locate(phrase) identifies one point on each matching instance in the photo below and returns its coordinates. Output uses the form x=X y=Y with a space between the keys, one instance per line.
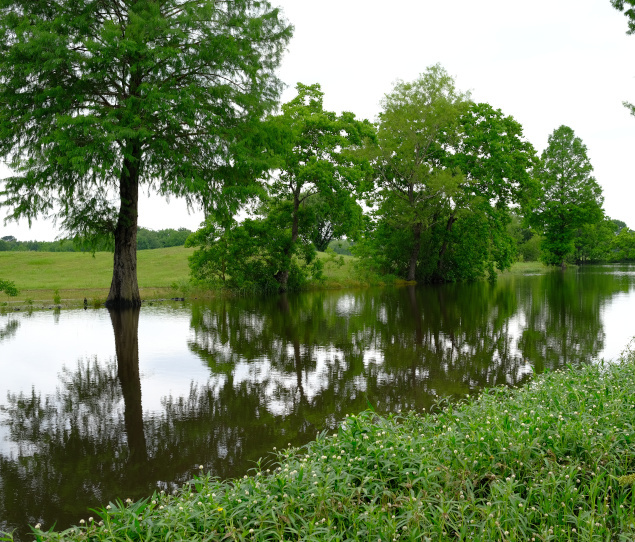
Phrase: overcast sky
x=545 y=62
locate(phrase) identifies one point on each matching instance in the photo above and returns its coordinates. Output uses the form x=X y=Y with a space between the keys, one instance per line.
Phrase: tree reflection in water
x=9 y=329
x=282 y=368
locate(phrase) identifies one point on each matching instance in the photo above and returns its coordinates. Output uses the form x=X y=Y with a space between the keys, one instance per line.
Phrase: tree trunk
x=283 y=279
x=444 y=246
x=124 y=289
x=283 y=276
x=414 y=255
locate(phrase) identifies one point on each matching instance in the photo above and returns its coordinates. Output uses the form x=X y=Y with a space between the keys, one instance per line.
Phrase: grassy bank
x=525 y=268
x=554 y=460
x=80 y=275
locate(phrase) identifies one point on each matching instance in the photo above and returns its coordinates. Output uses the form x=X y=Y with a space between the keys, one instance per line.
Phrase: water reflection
x=125 y=325
x=562 y=315
x=276 y=371
x=9 y=329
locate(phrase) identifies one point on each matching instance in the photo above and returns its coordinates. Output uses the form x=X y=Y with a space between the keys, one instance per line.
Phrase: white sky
x=545 y=62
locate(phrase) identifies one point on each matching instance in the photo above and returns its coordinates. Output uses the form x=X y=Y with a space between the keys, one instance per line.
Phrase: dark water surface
x=96 y=406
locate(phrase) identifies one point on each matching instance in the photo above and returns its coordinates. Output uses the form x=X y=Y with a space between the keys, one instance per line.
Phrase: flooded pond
x=96 y=406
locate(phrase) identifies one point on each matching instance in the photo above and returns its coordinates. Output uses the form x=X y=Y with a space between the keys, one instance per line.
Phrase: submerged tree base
x=554 y=460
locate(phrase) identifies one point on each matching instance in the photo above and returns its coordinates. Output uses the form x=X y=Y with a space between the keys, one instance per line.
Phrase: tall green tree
x=443 y=159
x=415 y=130
x=316 y=158
x=570 y=196
x=495 y=161
x=99 y=99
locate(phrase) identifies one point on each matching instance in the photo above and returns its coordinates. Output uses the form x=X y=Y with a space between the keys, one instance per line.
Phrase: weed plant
x=552 y=461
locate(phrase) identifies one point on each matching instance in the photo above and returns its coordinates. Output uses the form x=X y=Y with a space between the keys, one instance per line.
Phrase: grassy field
x=80 y=275
x=552 y=461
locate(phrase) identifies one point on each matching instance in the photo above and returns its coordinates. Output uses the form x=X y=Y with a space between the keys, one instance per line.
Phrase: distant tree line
x=146 y=239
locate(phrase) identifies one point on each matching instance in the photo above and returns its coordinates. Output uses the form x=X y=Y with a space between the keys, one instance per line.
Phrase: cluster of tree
x=440 y=189
x=100 y=98
x=607 y=240
x=146 y=239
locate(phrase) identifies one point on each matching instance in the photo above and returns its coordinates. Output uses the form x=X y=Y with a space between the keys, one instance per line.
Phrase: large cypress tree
x=99 y=98
x=570 y=195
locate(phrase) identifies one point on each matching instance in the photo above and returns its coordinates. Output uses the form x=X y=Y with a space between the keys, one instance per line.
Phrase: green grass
x=339 y=271
x=80 y=275
x=521 y=268
x=554 y=461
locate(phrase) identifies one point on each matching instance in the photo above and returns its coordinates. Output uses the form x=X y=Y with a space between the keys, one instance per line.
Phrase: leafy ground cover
x=554 y=460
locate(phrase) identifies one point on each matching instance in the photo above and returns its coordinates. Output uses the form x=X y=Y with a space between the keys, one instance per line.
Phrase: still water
x=96 y=406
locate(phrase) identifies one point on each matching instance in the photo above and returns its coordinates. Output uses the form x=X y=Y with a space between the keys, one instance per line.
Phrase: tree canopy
x=417 y=126
x=628 y=7
x=313 y=163
x=570 y=196
x=100 y=99
x=447 y=172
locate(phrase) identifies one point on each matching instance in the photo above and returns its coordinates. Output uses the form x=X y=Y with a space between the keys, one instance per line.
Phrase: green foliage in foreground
x=551 y=461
